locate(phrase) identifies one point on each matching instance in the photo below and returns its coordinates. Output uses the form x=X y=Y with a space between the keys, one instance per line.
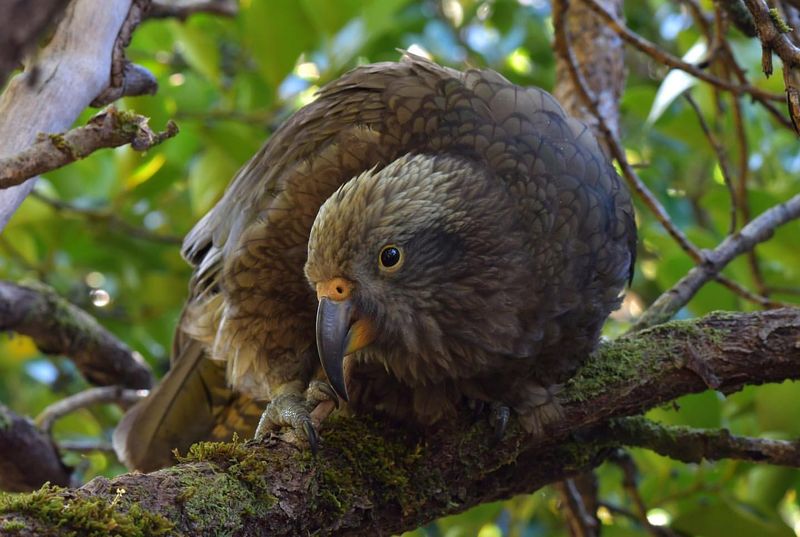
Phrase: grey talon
x=312 y=435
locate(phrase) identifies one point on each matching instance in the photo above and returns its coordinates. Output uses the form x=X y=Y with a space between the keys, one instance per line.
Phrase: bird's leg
x=300 y=412
x=498 y=418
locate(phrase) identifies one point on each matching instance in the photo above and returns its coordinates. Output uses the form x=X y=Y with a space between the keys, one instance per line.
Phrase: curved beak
x=339 y=332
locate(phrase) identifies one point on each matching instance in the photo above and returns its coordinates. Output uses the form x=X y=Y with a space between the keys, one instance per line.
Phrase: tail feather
x=192 y=403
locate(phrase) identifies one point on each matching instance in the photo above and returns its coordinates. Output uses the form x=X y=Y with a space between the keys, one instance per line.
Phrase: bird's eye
x=391 y=257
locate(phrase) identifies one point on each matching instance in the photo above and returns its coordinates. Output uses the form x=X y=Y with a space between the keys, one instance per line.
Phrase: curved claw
x=312 y=435
x=499 y=418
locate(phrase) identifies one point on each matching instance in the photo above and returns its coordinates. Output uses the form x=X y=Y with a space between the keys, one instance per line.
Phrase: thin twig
x=581 y=523
x=722 y=158
x=785 y=290
x=659 y=531
x=89 y=397
x=110 y=128
x=741 y=193
x=182 y=9
x=630 y=479
x=740 y=290
x=688 y=444
x=658 y=54
x=109 y=219
x=86 y=446
x=758 y=230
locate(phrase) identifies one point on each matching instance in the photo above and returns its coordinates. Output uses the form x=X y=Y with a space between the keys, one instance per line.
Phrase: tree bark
x=372 y=478
x=28 y=457
x=58 y=327
x=600 y=55
x=67 y=75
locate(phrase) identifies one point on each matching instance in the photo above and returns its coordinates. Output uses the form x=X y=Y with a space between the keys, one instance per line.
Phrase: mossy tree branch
x=58 y=327
x=688 y=444
x=370 y=476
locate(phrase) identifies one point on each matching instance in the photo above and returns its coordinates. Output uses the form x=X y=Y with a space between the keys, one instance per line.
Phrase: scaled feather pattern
x=511 y=237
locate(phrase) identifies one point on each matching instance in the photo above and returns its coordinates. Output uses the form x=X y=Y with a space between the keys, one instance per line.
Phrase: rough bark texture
x=373 y=478
x=600 y=56
x=58 y=327
x=110 y=128
x=28 y=456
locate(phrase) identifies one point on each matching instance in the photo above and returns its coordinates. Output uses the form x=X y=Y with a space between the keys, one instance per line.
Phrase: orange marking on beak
x=361 y=334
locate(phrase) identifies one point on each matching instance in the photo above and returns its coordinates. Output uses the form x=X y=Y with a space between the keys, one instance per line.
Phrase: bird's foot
x=541 y=408
x=498 y=419
x=499 y=413
x=301 y=413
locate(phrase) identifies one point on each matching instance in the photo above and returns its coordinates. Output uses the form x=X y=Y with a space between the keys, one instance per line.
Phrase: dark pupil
x=390 y=257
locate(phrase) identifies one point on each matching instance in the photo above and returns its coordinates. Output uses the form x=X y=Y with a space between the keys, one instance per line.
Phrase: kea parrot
x=415 y=240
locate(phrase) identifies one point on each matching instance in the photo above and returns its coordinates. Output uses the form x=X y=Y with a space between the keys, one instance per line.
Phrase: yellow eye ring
x=391 y=258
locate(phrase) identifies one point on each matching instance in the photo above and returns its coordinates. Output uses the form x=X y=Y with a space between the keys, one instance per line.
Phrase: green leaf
x=727 y=518
x=209 y=175
x=277 y=33
x=778 y=406
x=199 y=49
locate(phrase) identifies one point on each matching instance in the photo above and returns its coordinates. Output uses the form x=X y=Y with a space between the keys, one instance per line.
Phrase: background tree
x=707 y=142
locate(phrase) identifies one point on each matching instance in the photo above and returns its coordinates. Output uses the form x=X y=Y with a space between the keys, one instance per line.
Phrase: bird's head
x=422 y=260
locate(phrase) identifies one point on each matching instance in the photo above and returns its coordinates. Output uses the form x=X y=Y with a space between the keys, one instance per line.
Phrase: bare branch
x=28 y=458
x=757 y=230
x=658 y=54
x=126 y=78
x=58 y=327
x=693 y=445
x=93 y=396
x=375 y=476
x=630 y=482
x=722 y=158
x=110 y=128
x=66 y=75
x=581 y=523
x=86 y=446
x=773 y=33
x=183 y=9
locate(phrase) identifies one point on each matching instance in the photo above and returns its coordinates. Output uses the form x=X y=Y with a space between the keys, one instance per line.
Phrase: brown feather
x=251 y=304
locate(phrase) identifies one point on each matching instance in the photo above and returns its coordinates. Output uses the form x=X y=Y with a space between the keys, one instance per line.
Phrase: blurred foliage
x=230 y=82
